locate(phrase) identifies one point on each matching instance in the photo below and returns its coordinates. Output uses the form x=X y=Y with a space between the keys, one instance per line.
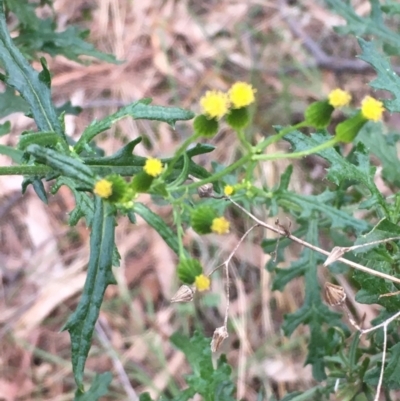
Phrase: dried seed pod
x=334 y=294
x=219 y=336
x=206 y=190
x=336 y=253
x=184 y=294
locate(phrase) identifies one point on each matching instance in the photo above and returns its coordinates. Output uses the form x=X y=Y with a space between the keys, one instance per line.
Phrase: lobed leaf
x=81 y=323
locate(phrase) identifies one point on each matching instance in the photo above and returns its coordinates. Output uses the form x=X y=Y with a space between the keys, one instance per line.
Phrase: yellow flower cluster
x=202 y=283
x=103 y=188
x=372 y=109
x=220 y=225
x=153 y=167
x=339 y=98
x=215 y=104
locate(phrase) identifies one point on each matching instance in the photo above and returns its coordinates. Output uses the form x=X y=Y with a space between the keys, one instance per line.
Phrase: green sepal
x=318 y=114
x=141 y=182
x=188 y=270
x=203 y=126
x=238 y=118
x=119 y=188
x=202 y=218
x=347 y=130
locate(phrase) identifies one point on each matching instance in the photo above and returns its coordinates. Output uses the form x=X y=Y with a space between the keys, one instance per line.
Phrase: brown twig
x=315 y=248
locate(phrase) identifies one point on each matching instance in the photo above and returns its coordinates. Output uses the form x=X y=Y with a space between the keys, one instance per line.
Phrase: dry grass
x=173 y=51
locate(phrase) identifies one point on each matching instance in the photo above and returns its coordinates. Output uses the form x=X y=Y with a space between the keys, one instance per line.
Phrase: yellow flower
x=202 y=283
x=372 y=109
x=241 y=94
x=220 y=225
x=103 y=188
x=215 y=104
x=153 y=167
x=339 y=98
x=228 y=190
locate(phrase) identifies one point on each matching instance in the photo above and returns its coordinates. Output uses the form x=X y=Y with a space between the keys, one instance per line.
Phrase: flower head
x=103 y=188
x=202 y=282
x=153 y=167
x=220 y=225
x=241 y=95
x=339 y=98
x=215 y=104
x=228 y=190
x=372 y=109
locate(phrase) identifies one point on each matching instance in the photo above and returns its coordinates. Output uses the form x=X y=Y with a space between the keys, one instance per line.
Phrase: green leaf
x=139 y=111
x=69 y=43
x=391 y=8
x=313 y=312
x=392 y=370
x=212 y=384
x=15 y=154
x=10 y=103
x=84 y=203
x=378 y=144
x=98 y=389
x=307 y=205
x=387 y=79
x=155 y=221
x=5 y=128
x=341 y=169
x=81 y=323
x=69 y=166
x=372 y=24
x=22 y=77
x=48 y=139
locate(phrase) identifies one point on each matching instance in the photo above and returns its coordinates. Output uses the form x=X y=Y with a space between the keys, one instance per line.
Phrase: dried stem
x=315 y=248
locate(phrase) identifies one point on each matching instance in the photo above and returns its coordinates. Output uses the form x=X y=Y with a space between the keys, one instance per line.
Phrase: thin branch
x=315 y=248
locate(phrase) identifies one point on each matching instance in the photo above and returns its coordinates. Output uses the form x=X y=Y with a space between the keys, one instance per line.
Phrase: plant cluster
x=107 y=187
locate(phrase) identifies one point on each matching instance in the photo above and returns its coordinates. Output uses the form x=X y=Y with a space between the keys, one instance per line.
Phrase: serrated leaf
x=10 y=103
x=42 y=35
x=212 y=384
x=158 y=224
x=387 y=79
x=378 y=144
x=22 y=77
x=81 y=323
x=392 y=370
x=365 y=25
x=98 y=389
x=84 y=206
x=313 y=312
x=137 y=110
x=341 y=169
x=307 y=205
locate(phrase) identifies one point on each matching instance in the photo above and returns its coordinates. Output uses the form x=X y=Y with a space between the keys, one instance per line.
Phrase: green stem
x=25 y=170
x=242 y=139
x=218 y=175
x=275 y=138
x=179 y=153
x=178 y=225
x=296 y=155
